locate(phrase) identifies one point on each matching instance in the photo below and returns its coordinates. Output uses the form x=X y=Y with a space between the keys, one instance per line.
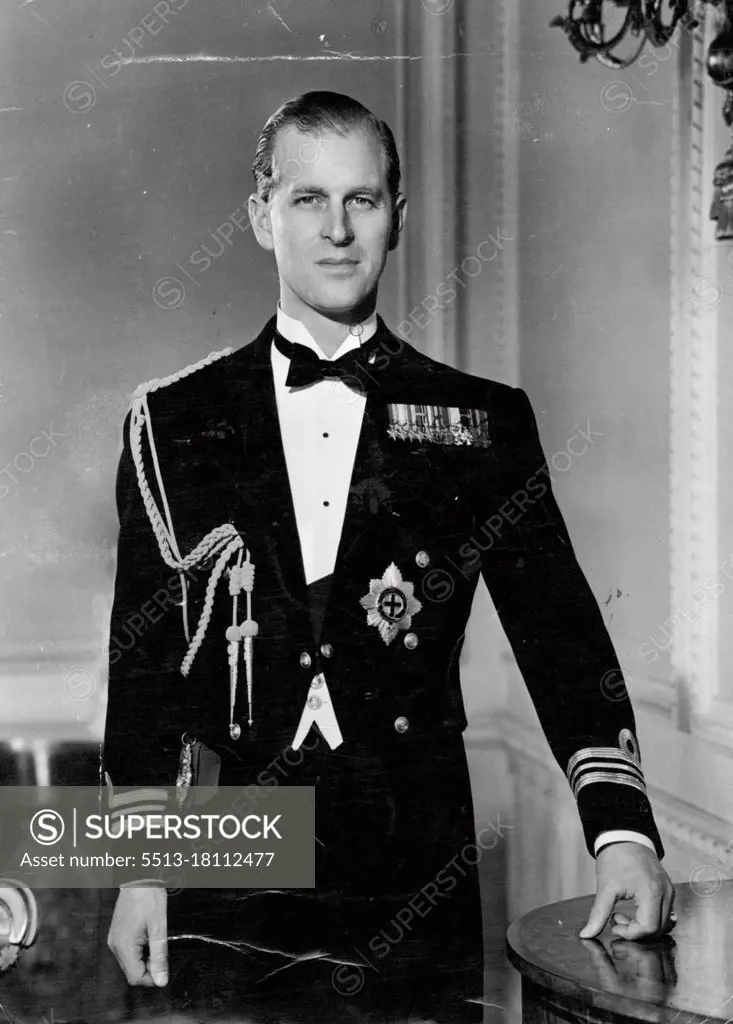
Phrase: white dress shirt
x=320 y=426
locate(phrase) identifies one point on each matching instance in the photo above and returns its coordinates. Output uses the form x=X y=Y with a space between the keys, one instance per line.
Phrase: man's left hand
x=631 y=871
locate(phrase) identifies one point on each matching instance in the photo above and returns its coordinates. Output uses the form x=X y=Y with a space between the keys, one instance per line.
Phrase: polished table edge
x=572 y=1000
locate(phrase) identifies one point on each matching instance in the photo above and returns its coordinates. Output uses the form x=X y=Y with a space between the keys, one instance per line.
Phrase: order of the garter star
x=390 y=603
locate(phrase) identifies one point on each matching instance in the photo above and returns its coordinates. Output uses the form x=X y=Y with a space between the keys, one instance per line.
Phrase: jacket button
x=326 y=650
x=411 y=641
x=314 y=702
x=305 y=660
x=423 y=559
x=401 y=724
x=317 y=682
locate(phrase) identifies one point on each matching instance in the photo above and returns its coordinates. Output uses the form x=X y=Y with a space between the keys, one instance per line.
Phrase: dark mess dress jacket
x=449 y=483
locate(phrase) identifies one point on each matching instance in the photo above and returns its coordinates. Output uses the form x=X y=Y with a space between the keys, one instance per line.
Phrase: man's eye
x=306 y=200
x=363 y=200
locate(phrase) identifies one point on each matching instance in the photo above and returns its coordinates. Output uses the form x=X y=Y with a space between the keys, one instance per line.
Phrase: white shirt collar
x=293 y=330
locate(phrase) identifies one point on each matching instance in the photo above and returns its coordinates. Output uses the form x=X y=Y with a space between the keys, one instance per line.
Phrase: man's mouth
x=338 y=262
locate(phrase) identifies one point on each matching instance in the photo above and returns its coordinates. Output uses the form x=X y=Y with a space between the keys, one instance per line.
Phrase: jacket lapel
x=255 y=464
x=369 y=518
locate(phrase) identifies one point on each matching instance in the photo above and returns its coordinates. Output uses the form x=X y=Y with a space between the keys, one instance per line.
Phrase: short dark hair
x=317 y=111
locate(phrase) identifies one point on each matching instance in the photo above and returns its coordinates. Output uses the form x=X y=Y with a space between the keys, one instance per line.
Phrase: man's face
x=330 y=220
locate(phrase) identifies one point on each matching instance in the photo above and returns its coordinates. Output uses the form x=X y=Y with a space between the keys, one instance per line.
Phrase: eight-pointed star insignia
x=390 y=603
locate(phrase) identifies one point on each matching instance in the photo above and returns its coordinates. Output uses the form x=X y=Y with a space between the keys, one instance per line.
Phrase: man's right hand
x=140 y=918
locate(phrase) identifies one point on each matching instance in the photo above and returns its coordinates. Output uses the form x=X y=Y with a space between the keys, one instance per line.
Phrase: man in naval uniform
x=354 y=474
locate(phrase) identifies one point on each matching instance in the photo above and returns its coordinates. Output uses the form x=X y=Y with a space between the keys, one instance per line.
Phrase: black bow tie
x=307 y=368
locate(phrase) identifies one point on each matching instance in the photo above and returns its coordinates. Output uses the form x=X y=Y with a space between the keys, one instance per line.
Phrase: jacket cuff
x=138 y=800
x=616 y=807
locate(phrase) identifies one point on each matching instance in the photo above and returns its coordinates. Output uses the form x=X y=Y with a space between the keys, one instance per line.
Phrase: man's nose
x=338 y=225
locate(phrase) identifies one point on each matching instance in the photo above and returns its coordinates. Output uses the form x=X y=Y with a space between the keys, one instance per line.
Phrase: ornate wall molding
x=693 y=369
x=709 y=846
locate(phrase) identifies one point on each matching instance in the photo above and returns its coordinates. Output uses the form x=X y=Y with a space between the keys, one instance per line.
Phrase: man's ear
x=398 y=221
x=259 y=218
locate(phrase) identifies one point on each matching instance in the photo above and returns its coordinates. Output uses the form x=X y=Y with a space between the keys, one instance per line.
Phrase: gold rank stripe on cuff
x=619 y=777
x=604 y=764
x=136 y=809
x=153 y=794
x=151 y=800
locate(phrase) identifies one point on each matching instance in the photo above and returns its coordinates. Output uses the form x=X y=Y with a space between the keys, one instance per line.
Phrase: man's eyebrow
x=367 y=190
x=311 y=190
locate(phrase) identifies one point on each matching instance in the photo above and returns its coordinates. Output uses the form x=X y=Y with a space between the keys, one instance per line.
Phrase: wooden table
x=685 y=978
